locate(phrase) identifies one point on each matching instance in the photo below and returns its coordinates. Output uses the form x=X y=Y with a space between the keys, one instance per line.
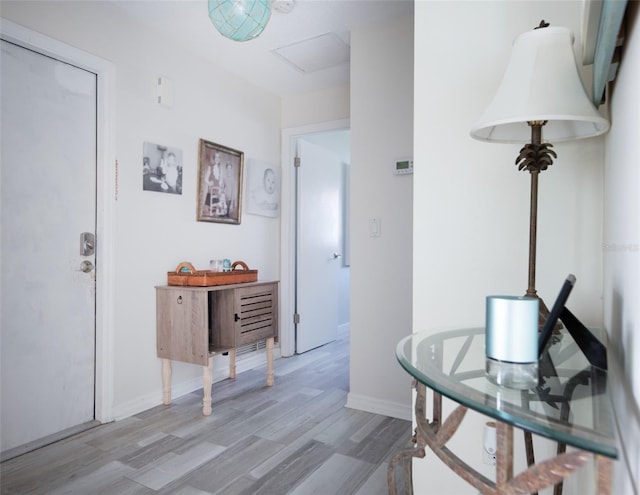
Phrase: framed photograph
x=263 y=186
x=219 y=183
x=161 y=168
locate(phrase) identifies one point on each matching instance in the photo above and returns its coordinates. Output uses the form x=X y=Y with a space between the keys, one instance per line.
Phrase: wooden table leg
x=232 y=363
x=270 y=362
x=206 y=386
x=166 y=381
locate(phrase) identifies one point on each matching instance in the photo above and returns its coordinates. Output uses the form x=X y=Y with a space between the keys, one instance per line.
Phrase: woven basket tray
x=205 y=278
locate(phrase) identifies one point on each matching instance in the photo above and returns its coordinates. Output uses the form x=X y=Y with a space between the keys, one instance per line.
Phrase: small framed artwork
x=161 y=168
x=219 y=183
x=263 y=184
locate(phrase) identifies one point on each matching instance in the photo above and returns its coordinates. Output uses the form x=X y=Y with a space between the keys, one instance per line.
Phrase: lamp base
x=520 y=376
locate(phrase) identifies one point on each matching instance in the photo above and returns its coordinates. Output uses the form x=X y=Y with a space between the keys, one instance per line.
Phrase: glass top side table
x=570 y=405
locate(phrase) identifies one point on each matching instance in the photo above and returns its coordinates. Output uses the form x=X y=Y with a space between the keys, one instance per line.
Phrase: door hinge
x=116 y=185
x=296 y=319
x=296 y=162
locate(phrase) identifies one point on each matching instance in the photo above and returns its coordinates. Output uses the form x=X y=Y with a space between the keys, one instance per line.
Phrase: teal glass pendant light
x=240 y=20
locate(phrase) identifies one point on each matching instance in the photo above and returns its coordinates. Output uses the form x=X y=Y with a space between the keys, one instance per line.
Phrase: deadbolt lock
x=87 y=244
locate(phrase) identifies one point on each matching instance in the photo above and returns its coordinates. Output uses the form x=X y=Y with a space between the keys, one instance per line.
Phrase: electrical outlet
x=489 y=443
x=488 y=458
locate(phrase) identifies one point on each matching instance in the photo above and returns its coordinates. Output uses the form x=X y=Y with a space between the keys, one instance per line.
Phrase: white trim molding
x=378 y=406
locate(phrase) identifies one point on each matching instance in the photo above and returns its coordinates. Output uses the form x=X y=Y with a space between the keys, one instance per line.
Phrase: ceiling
x=187 y=23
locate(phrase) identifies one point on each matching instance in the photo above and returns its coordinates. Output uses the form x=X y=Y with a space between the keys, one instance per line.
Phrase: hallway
x=293 y=438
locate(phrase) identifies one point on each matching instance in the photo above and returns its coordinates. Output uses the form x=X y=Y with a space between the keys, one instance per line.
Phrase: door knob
x=336 y=256
x=86 y=266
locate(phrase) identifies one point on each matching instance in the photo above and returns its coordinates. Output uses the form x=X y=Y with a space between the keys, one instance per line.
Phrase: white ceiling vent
x=314 y=54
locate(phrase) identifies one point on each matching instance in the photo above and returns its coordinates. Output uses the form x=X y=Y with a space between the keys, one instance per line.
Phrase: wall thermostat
x=403 y=166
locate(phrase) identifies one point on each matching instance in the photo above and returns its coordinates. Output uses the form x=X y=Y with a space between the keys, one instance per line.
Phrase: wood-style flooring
x=296 y=437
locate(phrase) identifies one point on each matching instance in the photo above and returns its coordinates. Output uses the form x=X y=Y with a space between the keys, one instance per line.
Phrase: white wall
x=622 y=251
x=471 y=204
x=317 y=107
x=381 y=267
x=153 y=231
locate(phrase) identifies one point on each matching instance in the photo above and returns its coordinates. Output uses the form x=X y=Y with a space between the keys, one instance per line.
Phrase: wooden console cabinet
x=195 y=323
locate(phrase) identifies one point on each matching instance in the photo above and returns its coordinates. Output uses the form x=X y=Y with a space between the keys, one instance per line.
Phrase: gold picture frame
x=219 y=183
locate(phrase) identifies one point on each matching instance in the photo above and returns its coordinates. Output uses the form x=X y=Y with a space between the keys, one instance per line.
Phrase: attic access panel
x=314 y=54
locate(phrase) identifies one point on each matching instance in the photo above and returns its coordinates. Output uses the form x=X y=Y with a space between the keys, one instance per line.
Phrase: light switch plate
x=375 y=227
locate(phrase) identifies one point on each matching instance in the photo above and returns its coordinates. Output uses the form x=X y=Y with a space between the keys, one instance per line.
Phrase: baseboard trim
x=42 y=442
x=379 y=406
x=344 y=329
x=148 y=401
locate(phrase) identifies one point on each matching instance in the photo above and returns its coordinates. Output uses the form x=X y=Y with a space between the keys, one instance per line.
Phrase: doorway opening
x=322 y=268
x=334 y=139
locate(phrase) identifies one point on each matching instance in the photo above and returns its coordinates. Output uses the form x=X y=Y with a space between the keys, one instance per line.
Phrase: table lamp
x=542 y=99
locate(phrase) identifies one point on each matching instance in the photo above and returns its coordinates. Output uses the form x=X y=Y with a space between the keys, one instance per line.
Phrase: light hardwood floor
x=296 y=437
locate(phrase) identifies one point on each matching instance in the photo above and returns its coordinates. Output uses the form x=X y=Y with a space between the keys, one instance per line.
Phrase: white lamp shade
x=541 y=83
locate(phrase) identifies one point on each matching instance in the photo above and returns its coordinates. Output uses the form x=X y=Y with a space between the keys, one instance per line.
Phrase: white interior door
x=318 y=246
x=48 y=198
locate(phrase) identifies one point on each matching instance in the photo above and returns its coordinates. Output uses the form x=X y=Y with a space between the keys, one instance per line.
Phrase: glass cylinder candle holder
x=511 y=341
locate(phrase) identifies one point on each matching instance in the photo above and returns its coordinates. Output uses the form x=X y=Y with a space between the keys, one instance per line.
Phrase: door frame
x=106 y=195
x=288 y=226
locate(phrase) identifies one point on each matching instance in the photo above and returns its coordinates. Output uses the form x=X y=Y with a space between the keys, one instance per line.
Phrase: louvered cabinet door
x=244 y=315
x=256 y=310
